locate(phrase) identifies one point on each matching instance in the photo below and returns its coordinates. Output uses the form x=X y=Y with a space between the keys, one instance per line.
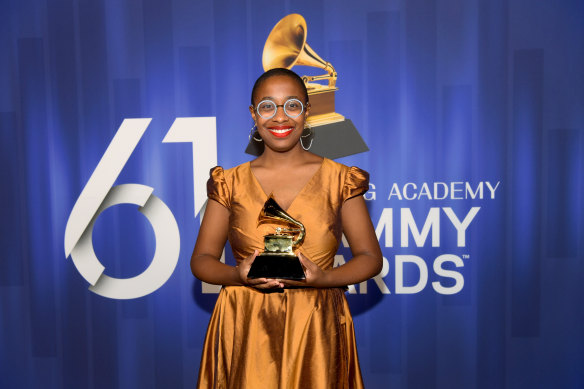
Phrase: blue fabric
x=442 y=92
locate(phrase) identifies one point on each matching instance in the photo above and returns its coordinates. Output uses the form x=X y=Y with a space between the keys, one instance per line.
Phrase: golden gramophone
x=278 y=259
x=333 y=134
x=285 y=47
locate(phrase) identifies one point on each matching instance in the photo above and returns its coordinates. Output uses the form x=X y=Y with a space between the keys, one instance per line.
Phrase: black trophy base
x=276 y=266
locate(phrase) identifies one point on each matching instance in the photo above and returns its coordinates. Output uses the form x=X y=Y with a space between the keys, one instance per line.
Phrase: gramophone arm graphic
x=334 y=136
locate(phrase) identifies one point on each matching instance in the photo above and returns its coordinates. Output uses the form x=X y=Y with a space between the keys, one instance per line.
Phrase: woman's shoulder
x=222 y=183
x=352 y=181
x=229 y=172
x=342 y=169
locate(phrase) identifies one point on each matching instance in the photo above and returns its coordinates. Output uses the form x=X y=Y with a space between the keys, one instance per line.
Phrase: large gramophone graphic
x=333 y=135
x=278 y=259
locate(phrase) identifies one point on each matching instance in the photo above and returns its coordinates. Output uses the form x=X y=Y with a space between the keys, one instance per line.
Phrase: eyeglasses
x=292 y=108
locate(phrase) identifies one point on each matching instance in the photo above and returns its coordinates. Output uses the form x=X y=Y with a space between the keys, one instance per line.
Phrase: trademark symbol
x=465 y=256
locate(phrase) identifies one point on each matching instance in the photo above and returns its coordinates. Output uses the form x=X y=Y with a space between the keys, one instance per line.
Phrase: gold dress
x=285 y=338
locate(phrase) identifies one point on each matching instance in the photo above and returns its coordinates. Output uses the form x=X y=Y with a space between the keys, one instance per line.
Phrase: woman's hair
x=279 y=72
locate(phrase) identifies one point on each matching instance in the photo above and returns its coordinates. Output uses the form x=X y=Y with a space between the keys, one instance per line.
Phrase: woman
x=276 y=333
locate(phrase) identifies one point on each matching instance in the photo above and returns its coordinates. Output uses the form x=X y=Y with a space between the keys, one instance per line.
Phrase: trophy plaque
x=278 y=259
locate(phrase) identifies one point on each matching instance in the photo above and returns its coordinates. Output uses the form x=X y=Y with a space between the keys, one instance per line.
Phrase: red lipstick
x=281 y=131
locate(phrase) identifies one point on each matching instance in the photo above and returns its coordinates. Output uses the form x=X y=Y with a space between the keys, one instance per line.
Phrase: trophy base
x=274 y=265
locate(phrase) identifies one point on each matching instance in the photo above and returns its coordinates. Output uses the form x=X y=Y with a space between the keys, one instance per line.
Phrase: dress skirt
x=287 y=338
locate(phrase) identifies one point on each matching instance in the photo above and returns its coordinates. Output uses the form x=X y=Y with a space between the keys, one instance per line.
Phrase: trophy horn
x=273 y=212
x=286 y=46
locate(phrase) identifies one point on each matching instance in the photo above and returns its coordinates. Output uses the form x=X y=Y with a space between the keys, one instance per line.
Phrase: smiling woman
x=280 y=333
x=279 y=109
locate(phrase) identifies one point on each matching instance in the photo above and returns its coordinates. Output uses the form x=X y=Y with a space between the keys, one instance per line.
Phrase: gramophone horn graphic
x=334 y=136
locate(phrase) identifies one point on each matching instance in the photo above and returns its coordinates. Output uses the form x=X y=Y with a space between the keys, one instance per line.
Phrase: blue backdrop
x=448 y=91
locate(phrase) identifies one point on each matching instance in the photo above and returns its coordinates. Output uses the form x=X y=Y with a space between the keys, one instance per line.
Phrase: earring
x=252 y=133
x=309 y=135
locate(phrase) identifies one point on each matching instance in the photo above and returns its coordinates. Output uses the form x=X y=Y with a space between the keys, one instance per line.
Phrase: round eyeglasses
x=292 y=108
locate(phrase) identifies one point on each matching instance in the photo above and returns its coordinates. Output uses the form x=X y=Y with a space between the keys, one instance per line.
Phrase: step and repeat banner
x=468 y=115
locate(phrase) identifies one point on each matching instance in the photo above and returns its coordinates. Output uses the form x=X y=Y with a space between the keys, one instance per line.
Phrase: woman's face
x=280 y=132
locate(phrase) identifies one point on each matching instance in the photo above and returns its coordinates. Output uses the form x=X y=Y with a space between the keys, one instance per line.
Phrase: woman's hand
x=259 y=283
x=315 y=276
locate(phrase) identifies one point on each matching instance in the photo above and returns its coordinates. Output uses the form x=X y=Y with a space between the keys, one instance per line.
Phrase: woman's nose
x=280 y=114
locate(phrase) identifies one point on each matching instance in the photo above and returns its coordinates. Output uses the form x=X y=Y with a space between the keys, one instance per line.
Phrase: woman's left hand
x=315 y=276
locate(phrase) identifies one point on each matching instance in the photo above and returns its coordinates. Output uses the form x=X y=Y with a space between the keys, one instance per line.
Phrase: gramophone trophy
x=334 y=135
x=285 y=47
x=278 y=259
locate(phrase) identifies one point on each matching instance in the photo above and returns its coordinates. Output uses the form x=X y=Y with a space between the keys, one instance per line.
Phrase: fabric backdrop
x=473 y=112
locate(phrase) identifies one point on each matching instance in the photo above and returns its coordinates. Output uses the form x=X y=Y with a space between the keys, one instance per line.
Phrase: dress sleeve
x=217 y=187
x=356 y=183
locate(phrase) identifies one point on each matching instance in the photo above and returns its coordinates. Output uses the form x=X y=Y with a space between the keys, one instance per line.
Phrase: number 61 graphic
x=100 y=194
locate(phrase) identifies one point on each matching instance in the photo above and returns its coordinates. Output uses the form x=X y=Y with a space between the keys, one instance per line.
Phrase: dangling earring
x=309 y=135
x=252 y=133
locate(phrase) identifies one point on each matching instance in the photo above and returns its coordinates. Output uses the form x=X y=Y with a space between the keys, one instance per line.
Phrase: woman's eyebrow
x=273 y=98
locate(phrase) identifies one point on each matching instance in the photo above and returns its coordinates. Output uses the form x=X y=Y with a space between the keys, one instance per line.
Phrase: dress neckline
x=261 y=189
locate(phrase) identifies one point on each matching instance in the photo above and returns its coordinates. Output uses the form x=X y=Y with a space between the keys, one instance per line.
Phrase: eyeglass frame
x=280 y=105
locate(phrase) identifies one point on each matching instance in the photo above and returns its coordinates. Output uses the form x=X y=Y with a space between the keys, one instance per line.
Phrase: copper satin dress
x=288 y=338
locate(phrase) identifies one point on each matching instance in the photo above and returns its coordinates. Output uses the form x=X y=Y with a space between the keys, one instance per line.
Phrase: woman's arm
x=367 y=258
x=205 y=263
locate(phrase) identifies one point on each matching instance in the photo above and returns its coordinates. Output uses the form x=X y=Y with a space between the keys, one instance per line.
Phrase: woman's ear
x=252 y=112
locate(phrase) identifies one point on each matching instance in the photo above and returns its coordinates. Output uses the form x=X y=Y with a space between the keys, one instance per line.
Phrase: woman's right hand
x=259 y=283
